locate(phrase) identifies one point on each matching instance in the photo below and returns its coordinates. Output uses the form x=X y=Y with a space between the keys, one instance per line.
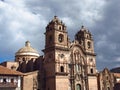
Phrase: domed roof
x=27 y=50
x=56 y=20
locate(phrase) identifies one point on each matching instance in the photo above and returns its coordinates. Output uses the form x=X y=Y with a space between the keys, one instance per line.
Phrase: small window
x=23 y=59
x=62 y=69
x=32 y=59
x=70 y=66
x=60 y=27
x=77 y=68
x=78 y=87
x=60 y=38
x=13 y=67
x=62 y=55
x=91 y=60
x=4 y=80
x=87 y=36
x=89 y=45
x=108 y=88
x=107 y=77
x=91 y=70
x=12 y=80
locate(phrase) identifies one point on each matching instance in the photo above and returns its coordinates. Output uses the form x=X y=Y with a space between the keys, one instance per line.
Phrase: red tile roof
x=6 y=71
x=117 y=75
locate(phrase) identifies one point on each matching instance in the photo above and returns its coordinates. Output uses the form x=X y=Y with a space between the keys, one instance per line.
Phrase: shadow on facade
x=117 y=86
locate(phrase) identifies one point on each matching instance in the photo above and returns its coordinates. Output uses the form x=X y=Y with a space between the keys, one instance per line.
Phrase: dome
x=56 y=20
x=27 y=50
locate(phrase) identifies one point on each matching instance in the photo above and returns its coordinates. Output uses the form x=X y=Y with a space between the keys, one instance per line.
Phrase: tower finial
x=55 y=16
x=82 y=26
x=27 y=44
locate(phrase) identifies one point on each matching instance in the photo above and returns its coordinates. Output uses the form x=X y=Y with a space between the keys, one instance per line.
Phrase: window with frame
x=89 y=44
x=108 y=88
x=78 y=87
x=91 y=70
x=60 y=38
x=12 y=80
x=60 y=28
x=61 y=69
x=4 y=80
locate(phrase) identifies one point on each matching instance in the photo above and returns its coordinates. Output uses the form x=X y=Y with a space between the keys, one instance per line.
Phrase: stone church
x=69 y=65
x=65 y=65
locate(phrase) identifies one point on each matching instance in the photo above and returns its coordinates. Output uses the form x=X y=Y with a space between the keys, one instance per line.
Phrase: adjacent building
x=10 y=79
x=31 y=81
x=106 y=80
x=116 y=72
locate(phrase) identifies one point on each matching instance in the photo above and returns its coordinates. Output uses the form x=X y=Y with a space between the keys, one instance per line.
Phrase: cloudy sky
x=22 y=20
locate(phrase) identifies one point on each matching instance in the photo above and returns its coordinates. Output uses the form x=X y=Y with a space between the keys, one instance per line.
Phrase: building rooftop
x=117 y=75
x=6 y=71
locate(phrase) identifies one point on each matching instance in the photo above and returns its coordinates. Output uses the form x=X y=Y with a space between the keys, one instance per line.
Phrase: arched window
x=18 y=58
x=108 y=88
x=13 y=67
x=78 y=87
x=87 y=36
x=91 y=70
x=77 y=68
x=4 y=80
x=89 y=44
x=60 y=38
x=60 y=28
x=91 y=60
x=23 y=59
x=62 y=69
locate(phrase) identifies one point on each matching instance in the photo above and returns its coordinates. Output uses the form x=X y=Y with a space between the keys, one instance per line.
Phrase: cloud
x=107 y=31
x=17 y=24
x=84 y=12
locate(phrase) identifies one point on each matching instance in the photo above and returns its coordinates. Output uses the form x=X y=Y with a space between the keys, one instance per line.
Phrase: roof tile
x=6 y=71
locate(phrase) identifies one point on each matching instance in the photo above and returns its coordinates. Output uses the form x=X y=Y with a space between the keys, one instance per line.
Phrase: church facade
x=65 y=65
x=69 y=65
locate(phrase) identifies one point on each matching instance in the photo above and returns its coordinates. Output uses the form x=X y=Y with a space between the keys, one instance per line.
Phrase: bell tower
x=56 y=55
x=85 y=39
x=56 y=35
